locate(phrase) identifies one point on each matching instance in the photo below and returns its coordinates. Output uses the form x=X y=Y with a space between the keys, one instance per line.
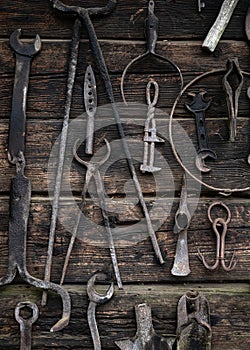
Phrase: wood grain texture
x=181 y=32
x=116 y=319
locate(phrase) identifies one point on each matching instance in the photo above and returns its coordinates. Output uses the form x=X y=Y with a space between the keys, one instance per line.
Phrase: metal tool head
x=182 y=215
x=90 y=94
x=96 y=297
x=24 y=49
x=201 y=157
x=198 y=103
x=60 y=6
x=26 y=304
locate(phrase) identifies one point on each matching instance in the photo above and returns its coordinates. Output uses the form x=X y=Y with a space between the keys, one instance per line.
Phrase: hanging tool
x=84 y=14
x=193 y=322
x=182 y=222
x=145 y=338
x=25 y=324
x=198 y=107
x=232 y=89
x=219 y=226
x=94 y=300
x=151 y=32
x=90 y=101
x=220 y=24
x=94 y=172
x=150 y=137
x=201 y=5
x=64 y=133
x=24 y=53
x=20 y=194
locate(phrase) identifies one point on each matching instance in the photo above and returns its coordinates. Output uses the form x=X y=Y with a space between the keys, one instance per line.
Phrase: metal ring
x=222 y=205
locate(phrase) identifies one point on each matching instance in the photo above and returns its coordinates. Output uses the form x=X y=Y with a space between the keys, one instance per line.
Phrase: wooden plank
x=134 y=250
x=229 y=305
x=41 y=136
x=125 y=22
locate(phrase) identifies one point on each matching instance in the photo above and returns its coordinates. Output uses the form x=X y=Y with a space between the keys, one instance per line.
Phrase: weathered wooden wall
x=181 y=31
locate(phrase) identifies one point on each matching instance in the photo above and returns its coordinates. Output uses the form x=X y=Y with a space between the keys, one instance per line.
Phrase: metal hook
x=220 y=241
x=151 y=33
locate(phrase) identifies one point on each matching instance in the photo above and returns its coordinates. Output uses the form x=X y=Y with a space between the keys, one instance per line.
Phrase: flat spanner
x=198 y=107
x=25 y=324
x=24 y=53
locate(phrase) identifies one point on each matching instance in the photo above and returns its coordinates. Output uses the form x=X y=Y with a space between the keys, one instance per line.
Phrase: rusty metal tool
x=219 y=226
x=90 y=101
x=95 y=299
x=193 y=322
x=201 y=5
x=146 y=337
x=220 y=24
x=232 y=83
x=25 y=324
x=150 y=137
x=24 y=53
x=20 y=194
x=182 y=222
x=198 y=107
x=84 y=14
x=151 y=33
x=94 y=172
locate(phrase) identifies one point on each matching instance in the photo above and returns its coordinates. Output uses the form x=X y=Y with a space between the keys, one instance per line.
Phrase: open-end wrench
x=94 y=300
x=25 y=324
x=198 y=107
x=24 y=53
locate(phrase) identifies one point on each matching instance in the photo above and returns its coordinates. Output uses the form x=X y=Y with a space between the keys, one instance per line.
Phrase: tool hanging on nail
x=151 y=31
x=25 y=324
x=220 y=24
x=150 y=137
x=146 y=337
x=83 y=15
x=219 y=226
x=232 y=84
x=182 y=222
x=94 y=300
x=198 y=107
x=90 y=102
x=20 y=190
x=193 y=322
x=94 y=172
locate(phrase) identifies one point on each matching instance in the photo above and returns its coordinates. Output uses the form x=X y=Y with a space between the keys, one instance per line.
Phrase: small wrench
x=24 y=53
x=198 y=107
x=96 y=299
x=25 y=324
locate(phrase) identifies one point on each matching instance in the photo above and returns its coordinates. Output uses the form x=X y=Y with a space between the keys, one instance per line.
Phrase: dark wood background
x=181 y=32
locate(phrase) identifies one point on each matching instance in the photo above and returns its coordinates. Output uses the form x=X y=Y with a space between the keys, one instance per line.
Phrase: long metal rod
x=62 y=149
x=109 y=90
